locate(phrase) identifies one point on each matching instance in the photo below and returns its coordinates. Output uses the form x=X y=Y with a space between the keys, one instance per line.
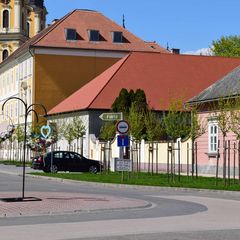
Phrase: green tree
x=136 y=122
x=108 y=131
x=227 y=46
x=137 y=130
x=123 y=102
x=177 y=122
x=154 y=131
x=19 y=137
x=79 y=130
x=140 y=100
x=68 y=132
x=154 y=127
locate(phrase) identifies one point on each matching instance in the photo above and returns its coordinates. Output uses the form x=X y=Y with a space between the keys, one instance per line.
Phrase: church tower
x=19 y=21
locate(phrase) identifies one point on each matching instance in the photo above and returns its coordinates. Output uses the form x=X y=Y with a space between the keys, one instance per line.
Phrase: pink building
x=210 y=145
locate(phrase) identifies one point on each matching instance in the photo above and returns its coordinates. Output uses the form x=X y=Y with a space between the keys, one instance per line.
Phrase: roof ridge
x=185 y=55
x=53 y=26
x=110 y=77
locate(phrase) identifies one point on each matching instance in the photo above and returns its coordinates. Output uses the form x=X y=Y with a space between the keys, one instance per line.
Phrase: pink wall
x=207 y=164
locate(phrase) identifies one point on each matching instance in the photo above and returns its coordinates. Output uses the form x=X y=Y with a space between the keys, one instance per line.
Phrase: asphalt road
x=172 y=214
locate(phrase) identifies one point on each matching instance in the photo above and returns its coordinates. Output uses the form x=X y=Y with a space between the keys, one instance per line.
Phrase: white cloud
x=202 y=51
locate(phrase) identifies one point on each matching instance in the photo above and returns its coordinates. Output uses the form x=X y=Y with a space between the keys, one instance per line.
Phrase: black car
x=65 y=161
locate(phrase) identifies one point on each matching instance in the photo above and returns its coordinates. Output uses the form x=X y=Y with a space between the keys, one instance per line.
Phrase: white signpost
x=123 y=165
x=111 y=116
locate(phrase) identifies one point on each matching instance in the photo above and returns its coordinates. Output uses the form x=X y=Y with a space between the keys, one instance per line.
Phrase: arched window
x=4 y=54
x=6 y=19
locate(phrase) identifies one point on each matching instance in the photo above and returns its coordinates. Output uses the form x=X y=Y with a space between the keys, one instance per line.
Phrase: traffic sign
x=123 y=165
x=111 y=116
x=122 y=140
x=122 y=127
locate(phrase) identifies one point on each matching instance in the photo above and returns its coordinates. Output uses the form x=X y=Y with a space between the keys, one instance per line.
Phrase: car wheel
x=54 y=168
x=93 y=169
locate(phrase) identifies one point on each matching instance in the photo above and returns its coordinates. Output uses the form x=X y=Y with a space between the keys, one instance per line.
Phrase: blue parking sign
x=123 y=140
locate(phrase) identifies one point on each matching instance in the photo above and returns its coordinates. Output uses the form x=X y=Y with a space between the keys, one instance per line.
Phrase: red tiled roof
x=163 y=77
x=82 y=21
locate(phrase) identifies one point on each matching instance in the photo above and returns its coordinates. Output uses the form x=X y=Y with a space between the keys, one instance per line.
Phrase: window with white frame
x=212 y=136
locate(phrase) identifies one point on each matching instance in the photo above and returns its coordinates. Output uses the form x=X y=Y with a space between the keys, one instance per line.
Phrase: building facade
x=20 y=20
x=62 y=58
x=218 y=113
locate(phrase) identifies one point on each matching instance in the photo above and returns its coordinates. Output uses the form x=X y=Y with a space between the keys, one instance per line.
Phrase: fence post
x=168 y=148
x=224 y=161
x=239 y=162
x=179 y=161
x=157 y=157
x=234 y=162
x=188 y=160
x=192 y=158
x=229 y=148
x=196 y=159
x=152 y=156
x=216 y=181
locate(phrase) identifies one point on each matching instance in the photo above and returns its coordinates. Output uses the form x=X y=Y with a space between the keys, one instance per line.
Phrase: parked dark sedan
x=65 y=161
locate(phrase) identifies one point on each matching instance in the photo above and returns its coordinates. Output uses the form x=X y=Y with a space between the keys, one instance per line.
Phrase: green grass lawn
x=148 y=180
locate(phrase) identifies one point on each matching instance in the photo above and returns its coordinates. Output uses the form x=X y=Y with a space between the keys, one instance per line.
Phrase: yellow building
x=20 y=20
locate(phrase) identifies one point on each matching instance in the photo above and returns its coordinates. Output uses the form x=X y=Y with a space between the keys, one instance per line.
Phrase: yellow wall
x=57 y=77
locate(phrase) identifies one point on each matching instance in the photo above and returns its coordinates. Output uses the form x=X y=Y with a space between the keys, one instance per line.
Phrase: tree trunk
x=193 y=156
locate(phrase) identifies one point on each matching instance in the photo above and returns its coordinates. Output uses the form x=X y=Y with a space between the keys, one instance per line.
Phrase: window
x=16 y=109
x=117 y=37
x=5 y=1
x=28 y=29
x=5 y=54
x=71 y=34
x=21 y=70
x=94 y=35
x=5 y=19
x=212 y=136
x=58 y=155
x=25 y=69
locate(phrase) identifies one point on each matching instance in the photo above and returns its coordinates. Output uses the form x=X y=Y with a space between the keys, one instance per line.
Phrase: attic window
x=94 y=35
x=71 y=34
x=117 y=37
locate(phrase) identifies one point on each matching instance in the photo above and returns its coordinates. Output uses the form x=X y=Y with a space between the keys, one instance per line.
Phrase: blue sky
x=186 y=24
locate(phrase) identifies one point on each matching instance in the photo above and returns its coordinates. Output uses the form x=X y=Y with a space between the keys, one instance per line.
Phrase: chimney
x=54 y=21
x=175 y=50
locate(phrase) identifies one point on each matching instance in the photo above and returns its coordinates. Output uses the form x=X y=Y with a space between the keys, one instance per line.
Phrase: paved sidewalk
x=63 y=203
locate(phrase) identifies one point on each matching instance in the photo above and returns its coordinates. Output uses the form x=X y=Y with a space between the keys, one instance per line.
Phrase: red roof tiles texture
x=83 y=21
x=163 y=77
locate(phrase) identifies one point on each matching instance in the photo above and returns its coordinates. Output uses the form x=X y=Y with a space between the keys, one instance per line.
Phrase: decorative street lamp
x=28 y=109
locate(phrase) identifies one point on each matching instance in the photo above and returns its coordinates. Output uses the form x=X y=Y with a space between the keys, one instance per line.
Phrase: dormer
x=94 y=35
x=71 y=34
x=117 y=37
